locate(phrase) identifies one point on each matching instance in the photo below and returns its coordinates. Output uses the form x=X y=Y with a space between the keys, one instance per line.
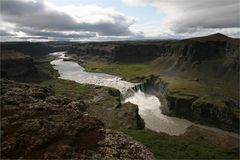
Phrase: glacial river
x=149 y=105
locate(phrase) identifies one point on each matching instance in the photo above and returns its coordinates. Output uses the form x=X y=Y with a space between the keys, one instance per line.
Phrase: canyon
x=194 y=79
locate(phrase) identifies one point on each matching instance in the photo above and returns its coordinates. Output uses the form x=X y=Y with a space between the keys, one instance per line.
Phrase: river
x=149 y=105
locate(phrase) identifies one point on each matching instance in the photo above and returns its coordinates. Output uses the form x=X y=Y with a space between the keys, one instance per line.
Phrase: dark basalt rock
x=129 y=112
x=181 y=106
x=37 y=125
x=33 y=49
x=114 y=92
x=217 y=113
x=15 y=64
x=212 y=110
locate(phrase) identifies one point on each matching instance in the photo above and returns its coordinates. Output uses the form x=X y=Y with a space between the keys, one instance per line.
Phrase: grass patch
x=215 y=94
x=44 y=67
x=126 y=70
x=60 y=87
x=181 y=86
x=42 y=71
x=172 y=147
x=68 y=88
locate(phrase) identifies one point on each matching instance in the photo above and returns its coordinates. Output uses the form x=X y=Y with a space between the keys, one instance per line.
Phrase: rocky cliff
x=106 y=105
x=35 y=49
x=16 y=64
x=37 y=125
x=216 y=55
x=216 y=111
x=213 y=110
x=194 y=49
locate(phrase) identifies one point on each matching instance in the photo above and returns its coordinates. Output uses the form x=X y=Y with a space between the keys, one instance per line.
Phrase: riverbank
x=218 y=97
x=103 y=103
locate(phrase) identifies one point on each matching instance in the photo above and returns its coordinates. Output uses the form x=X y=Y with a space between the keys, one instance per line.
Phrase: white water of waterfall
x=149 y=109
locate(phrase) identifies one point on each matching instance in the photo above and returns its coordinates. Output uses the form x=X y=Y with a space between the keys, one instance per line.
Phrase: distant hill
x=212 y=37
x=29 y=48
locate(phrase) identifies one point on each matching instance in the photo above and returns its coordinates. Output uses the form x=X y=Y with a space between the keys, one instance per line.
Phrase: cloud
x=40 y=18
x=33 y=19
x=187 y=16
x=57 y=34
x=105 y=20
x=5 y=33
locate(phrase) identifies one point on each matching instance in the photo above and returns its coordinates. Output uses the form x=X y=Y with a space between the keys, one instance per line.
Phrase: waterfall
x=132 y=90
x=128 y=93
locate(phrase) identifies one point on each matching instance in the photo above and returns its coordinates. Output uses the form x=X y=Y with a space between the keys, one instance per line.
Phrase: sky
x=100 y=20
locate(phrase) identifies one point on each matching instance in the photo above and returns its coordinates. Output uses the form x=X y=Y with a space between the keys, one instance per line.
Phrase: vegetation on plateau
x=164 y=146
x=128 y=71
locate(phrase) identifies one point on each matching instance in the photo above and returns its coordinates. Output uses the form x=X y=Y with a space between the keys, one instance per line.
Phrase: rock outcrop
x=106 y=105
x=37 y=125
x=16 y=64
x=33 y=49
x=215 y=110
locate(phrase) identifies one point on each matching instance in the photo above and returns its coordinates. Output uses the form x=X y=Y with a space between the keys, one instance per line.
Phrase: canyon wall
x=216 y=55
x=16 y=64
x=213 y=111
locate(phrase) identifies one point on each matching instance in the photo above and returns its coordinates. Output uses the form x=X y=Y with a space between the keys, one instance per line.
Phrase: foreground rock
x=37 y=125
x=106 y=106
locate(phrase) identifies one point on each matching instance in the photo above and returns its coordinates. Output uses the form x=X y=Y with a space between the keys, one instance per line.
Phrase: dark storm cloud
x=40 y=16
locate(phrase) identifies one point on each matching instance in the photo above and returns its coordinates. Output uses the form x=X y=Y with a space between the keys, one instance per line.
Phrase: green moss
x=180 y=95
x=171 y=147
x=68 y=88
x=214 y=94
x=126 y=70
x=179 y=86
x=182 y=86
x=212 y=100
x=44 y=67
